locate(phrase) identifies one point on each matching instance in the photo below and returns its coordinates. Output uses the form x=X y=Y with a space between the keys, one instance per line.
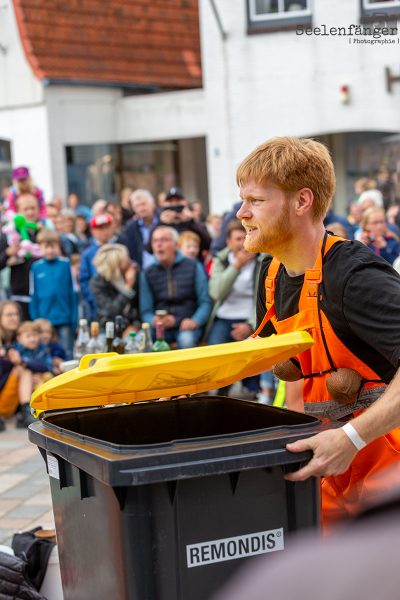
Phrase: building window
x=380 y=13
x=103 y=170
x=379 y=4
x=277 y=15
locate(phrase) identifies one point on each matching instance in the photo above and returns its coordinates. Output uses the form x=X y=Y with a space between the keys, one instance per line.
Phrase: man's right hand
x=242 y=258
x=12 y=250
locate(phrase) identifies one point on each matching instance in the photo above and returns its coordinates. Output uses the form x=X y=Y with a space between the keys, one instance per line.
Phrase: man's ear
x=304 y=201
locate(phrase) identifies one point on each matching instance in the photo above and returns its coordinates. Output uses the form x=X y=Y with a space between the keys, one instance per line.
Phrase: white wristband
x=353 y=435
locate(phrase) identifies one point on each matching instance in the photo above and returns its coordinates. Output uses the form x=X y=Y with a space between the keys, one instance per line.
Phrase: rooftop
x=152 y=44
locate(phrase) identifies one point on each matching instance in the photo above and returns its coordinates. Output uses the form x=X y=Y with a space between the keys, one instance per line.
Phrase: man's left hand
x=333 y=453
x=241 y=331
x=188 y=325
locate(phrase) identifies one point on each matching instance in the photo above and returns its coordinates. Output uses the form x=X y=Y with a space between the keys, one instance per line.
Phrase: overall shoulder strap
x=270 y=283
x=313 y=277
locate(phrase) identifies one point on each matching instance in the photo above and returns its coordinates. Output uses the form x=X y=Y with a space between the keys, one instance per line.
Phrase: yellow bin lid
x=115 y=379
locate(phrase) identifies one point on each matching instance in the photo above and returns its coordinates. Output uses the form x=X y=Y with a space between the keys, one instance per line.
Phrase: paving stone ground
x=25 y=500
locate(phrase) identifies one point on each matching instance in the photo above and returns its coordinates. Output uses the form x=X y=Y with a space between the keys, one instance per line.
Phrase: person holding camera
x=178 y=215
x=377 y=236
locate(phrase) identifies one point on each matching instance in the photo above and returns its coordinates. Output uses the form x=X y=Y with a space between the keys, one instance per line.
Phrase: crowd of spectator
x=135 y=258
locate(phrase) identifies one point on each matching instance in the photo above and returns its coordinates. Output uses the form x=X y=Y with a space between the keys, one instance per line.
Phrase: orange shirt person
x=348 y=299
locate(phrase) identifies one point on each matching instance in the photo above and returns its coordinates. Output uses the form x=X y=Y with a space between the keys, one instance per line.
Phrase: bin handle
x=85 y=360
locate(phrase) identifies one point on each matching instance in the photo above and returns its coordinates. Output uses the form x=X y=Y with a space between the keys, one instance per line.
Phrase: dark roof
x=145 y=43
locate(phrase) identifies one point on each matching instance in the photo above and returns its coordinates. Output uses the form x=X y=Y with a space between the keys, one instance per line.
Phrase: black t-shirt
x=360 y=298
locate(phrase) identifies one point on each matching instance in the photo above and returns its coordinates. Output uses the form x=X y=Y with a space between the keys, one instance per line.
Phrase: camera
x=176 y=207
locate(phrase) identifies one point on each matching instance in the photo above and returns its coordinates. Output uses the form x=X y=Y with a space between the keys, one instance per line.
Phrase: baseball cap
x=20 y=173
x=99 y=220
x=174 y=192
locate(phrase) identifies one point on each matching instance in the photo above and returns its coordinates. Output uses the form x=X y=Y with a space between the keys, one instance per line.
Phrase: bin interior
x=150 y=423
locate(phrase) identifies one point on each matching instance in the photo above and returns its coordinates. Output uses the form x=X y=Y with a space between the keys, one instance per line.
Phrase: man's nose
x=243 y=212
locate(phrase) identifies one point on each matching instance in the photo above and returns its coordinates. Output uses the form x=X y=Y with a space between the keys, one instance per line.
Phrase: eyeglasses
x=162 y=240
x=11 y=314
x=378 y=223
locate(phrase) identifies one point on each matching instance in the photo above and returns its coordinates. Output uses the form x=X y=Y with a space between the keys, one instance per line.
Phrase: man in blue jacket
x=53 y=290
x=178 y=285
x=137 y=231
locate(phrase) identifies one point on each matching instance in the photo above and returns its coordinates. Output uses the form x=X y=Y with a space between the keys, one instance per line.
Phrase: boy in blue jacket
x=53 y=290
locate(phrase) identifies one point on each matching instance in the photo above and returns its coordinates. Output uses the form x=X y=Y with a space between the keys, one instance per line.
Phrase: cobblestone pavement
x=25 y=500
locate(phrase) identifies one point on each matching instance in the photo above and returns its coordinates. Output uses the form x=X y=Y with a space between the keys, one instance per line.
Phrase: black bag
x=36 y=552
x=14 y=584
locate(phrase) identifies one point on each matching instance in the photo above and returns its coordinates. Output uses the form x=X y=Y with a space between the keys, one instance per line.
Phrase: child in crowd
x=53 y=290
x=49 y=338
x=189 y=244
x=32 y=354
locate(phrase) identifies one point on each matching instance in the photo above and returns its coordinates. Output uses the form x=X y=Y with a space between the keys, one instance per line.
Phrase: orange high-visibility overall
x=343 y=495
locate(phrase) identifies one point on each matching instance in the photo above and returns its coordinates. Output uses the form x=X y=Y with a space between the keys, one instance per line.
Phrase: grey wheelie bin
x=164 y=500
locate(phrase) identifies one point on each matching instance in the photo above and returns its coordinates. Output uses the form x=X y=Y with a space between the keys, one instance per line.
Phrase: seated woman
x=376 y=235
x=11 y=370
x=116 y=287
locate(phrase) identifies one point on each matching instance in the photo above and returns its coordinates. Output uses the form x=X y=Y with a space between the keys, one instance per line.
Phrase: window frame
x=371 y=5
x=368 y=9
x=280 y=21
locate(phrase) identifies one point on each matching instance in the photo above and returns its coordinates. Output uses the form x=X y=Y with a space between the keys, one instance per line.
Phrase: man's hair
x=138 y=193
x=51 y=205
x=186 y=236
x=68 y=214
x=27 y=326
x=108 y=260
x=292 y=164
x=48 y=236
x=171 y=230
x=234 y=225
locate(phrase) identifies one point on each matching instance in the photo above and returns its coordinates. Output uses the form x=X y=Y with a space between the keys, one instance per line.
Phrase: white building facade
x=270 y=68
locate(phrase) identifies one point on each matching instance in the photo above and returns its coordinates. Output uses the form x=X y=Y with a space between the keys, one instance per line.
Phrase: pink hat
x=20 y=173
x=99 y=220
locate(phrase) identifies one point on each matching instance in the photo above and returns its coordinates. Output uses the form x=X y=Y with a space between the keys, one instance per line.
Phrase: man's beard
x=275 y=238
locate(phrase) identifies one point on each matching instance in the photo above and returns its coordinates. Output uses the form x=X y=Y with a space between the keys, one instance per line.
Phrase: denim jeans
x=67 y=337
x=184 y=339
x=221 y=331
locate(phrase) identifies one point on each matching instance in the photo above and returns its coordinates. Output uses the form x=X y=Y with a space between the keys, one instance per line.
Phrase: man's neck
x=147 y=221
x=168 y=263
x=303 y=250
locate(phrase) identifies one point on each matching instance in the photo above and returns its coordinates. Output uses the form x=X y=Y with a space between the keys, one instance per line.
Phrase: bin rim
x=121 y=379
x=154 y=448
